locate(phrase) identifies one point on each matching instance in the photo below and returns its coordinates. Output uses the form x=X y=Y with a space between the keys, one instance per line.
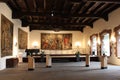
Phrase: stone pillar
x=31 y=63
x=104 y=62
x=48 y=61
x=87 y=60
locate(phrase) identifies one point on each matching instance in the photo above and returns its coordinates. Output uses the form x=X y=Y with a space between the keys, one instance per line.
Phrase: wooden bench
x=11 y=62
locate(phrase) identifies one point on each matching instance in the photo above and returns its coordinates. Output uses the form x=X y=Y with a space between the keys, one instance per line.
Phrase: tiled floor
x=62 y=71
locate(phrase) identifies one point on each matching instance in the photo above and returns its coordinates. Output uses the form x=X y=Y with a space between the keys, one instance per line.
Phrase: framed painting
x=56 y=41
x=22 y=39
x=6 y=37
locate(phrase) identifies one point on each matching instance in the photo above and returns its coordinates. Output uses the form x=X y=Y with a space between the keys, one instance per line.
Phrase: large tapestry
x=22 y=39
x=6 y=36
x=56 y=41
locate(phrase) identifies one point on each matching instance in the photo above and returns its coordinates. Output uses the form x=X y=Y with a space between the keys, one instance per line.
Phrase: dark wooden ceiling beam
x=35 y=4
x=60 y=8
x=11 y=6
x=108 y=1
x=75 y=19
x=96 y=8
x=16 y=3
x=107 y=8
x=22 y=14
x=87 y=8
x=80 y=7
x=69 y=8
x=44 y=5
x=4 y=0
x=101 y=8
x=105 y=1
x=113 y=8
x=83 y=7
x=24 y=23
x=55 y=6
x=58 y=28
x=27 y=6
x=92 y=20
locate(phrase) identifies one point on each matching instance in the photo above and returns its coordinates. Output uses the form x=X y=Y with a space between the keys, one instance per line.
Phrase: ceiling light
x=52 y=13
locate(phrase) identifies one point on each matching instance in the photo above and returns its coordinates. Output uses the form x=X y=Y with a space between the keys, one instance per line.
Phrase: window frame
x=94 y=35
x=101 y=38
x=116 y=29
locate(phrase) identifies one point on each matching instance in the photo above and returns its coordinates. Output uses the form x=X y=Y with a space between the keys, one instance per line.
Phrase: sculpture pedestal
x=20 y=58
x=31 y=63
x=48 y=61
x=103 y=62
x=87 y=60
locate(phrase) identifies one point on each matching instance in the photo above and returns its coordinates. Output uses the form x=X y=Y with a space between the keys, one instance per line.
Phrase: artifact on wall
x=22 y=39
x=56 y=41
x=6 y=36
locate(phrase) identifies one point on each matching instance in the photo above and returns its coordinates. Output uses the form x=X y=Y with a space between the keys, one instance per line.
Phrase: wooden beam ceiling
x=101 y=1
x=61 y=14
x=22 y=14
x=106 y=1
x=24 y=23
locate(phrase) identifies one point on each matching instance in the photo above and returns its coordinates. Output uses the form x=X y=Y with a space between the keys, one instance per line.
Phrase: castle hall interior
x=59 y=39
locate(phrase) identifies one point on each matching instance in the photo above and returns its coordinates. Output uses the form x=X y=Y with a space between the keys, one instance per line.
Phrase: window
x=117 y=35
x=118 y=43
x=94 y=44
x=105 y=42
x=105 y=46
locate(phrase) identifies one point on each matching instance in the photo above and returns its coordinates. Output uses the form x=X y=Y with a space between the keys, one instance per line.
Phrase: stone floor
x=62 y=71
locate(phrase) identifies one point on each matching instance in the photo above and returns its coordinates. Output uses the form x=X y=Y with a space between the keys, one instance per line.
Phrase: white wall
x=35 y=35
x=99 y=25
x=6 y=11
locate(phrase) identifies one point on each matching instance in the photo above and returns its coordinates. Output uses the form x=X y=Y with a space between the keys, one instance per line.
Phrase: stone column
x=87 y=60
x=48 y=61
